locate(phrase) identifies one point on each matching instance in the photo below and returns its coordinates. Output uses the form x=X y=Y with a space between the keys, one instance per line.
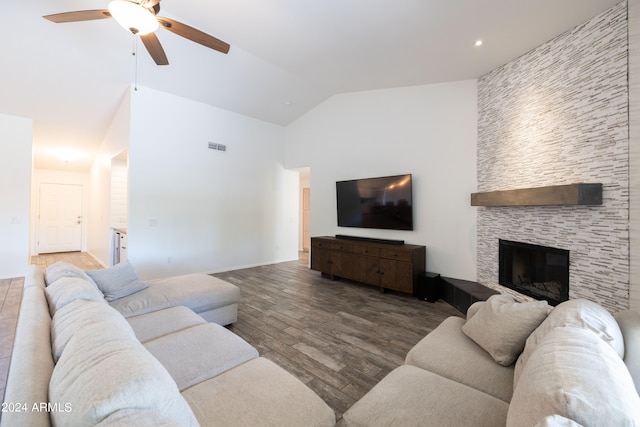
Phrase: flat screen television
x=384 y=202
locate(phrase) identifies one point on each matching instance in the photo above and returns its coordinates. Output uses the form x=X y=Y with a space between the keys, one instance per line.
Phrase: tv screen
x=384 y=202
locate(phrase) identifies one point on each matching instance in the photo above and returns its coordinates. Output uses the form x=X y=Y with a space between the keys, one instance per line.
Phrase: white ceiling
x=286 y=56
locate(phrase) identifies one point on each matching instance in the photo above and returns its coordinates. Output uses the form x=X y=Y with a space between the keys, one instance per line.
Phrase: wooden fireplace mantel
x=554 y=195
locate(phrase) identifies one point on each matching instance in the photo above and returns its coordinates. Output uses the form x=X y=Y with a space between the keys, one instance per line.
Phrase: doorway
x=304 y=243
x=60 y=218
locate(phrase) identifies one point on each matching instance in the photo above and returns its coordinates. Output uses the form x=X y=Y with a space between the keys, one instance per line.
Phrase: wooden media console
x=387 y=266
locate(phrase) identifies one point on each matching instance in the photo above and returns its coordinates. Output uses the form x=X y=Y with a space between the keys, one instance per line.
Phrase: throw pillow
x=579 y=313
x=502 y=325
x=575 y=374
x=68 y=289
x=118 y=281
x=473 y=308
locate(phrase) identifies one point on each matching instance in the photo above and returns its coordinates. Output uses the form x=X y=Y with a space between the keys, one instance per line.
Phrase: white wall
x=119 y=188
x=49 y=176
x=428 y=131
x=193 y=209
x=99 y=216
x=15 y=182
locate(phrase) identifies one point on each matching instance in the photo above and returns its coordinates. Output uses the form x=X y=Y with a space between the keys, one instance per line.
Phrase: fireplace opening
x=540 y=272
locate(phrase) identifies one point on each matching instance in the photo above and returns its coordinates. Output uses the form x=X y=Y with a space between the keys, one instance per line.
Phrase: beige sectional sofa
x=515 y=364
x=107 y=349
x=141 y=359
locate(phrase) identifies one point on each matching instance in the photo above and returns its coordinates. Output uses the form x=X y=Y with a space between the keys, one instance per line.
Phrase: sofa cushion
x=63 y=269
x=257 y=393
x=448 y=352
x=580 y=313
x=629 y=322
x=117 y=281
x=158 y=323
x=75 y=315
x=410 y=396
x=557 y=421
x=201 y=352
x=575 y=374
x=501 y=326
x=68 y=289
x=199 y=292
x=104 y=371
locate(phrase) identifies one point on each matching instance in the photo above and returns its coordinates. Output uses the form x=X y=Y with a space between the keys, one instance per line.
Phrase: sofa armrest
x=629 y=322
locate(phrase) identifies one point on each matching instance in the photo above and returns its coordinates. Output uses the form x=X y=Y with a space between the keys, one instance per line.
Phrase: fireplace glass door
x=538 y=271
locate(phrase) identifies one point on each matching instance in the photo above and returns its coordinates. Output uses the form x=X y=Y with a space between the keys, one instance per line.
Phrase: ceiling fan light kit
x=140 y=18
x=133 y=17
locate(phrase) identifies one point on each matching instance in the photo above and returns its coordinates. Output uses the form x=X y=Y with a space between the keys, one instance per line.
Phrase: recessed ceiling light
x=478 y=42
x=67 y=155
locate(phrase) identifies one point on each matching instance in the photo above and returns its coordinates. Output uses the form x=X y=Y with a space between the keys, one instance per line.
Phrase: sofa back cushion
x=575 y=374
x=63 y=269
x=68 y=289
x=580 y=313
x=80 y=313
x=104 y=372
x=629 y=322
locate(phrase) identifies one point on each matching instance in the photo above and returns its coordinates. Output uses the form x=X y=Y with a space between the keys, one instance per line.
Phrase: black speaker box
x=429 y=287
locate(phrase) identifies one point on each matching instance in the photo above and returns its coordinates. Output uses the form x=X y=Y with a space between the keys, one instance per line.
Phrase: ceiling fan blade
x=194 y=35
x=154 y=48
x=80 y=15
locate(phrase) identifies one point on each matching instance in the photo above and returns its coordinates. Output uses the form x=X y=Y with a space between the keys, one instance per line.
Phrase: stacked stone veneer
x=559 y=115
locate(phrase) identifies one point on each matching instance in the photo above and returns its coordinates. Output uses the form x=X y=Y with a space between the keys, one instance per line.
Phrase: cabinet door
x=372 y=270
x=342 y=264
x=321 y=260
x=404 y=277
x=396 y=275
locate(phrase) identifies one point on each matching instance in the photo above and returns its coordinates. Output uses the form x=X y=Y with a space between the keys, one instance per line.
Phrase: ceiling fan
x=140 y=18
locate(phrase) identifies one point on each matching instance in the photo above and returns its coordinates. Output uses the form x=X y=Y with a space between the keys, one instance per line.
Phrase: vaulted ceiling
x=286 y=56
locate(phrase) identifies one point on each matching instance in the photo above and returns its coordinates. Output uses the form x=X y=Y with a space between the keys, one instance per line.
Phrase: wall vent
x=219 y=147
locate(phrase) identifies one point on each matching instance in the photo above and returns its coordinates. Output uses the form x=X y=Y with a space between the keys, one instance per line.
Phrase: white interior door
x=60 y=218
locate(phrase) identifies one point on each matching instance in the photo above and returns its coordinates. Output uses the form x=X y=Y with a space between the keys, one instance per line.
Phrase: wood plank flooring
x=338 y=337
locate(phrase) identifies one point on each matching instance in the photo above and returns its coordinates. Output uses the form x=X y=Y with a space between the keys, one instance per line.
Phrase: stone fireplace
x=559 y=115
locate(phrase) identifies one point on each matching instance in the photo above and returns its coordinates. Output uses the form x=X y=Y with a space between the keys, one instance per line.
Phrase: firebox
x=540 y=272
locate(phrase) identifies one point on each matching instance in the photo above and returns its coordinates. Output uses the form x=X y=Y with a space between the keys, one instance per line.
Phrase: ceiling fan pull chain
x=135 y=54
